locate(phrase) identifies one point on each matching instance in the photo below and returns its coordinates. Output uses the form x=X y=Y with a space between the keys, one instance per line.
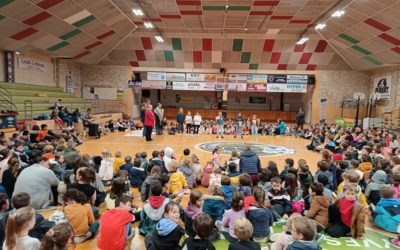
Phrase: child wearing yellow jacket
x=177 y=180
x=352 y=178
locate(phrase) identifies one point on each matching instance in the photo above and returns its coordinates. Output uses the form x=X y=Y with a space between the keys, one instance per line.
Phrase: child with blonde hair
x=106 y=170
x=118 y=161
x=303 y=232
x=214 y=202
x=244 y=231
x=285 y=238
x=215 y=177
x=177 y=180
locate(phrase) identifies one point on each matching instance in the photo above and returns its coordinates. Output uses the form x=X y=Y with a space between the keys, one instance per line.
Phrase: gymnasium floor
x=129 y=145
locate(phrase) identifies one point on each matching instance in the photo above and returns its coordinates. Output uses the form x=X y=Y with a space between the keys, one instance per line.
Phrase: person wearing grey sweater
x=37 y=181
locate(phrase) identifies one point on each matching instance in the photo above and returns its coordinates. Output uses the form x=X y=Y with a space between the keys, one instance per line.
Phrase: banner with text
x=153 y=85
x=277 y=78
x=382 y=87
x=254 y=78
x=27 y=63
x=194 y=77
x=297 y=79
x=176 y=77
x=237 y=78
x=156 y=76
x=253 y=87
x=287 y=87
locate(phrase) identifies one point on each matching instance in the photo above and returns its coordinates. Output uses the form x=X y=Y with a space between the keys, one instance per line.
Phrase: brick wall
x=105 y=76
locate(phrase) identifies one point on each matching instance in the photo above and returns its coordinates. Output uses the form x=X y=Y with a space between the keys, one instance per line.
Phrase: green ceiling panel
x=176 y=44
x=208 y=7
x=57 y=46
x=373 y=60
x=68 y=35
x=349 y=38
x=245 y=57
x=253 y=66
x=239 y=8
x=169 y=55
x=361 y=50
x=84 y=21
x=5 y=2
x=237 y=44
x=2 y=17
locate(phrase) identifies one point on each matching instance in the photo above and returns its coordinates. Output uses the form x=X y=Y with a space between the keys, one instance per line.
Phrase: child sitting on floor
x=228 y=190
x=192 y=210
x=285 y=238
x=244 y=231
x=303 y=233
x=215 y=177
x=206 y=173
x=214 y=203
x=373 y=190
x=177 y=180
x=203 y=226
x=265 y=180
x=233 y=173
x=319 y=206
x=387 y=212
x=245 y=184
x=352 y=178
x=106 y=171
x=279 y=198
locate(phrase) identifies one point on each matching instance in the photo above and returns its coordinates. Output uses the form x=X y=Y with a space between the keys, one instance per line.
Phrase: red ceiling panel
x=300 y=21
x=170 y=16
x=95 y=44
x=305 y=58
x=299 y=47
x=378 y=25
x=197 y=56
x=260 y=13
x=37 y=18
x=138 y=23
x=281 y=17
x=140 y=55
x=134 y=64
x=275 y=57
x=188 y=2
x=266 y=3
x=321 y=46
x=151 y=19
x=25 y=33
x=45 y=4
x=282 y=66
x=191 y=12
x=311 y=67
x=268 y=45
x=207 y=44
x=81 y=55
x=397 y=50
x=146 y=41
x=390 y=39
x=104 y=35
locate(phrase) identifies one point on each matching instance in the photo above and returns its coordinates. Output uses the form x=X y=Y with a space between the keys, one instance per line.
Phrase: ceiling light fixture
x=159 y=39
x=227 y=6
x=246 y=29
x=137 y=12
x=320 y=26
x=338 y=13
x=17 y=52
x=302 y=40
x=148 y=25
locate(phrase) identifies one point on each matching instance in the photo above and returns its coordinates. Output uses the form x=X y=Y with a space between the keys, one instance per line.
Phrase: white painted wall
x=36 y=77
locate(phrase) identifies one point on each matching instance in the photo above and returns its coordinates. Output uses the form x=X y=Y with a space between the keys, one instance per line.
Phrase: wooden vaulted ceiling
x=206 y=34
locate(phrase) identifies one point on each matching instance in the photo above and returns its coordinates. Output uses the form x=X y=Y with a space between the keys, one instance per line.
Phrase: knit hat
x=337 y=157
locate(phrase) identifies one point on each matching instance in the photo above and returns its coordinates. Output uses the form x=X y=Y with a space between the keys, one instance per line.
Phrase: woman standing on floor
x=197 y=122
x=159 y=112
x=188 y=122
x=239 y=125
x=254 y=126
x=149 y=121
x=300 y=120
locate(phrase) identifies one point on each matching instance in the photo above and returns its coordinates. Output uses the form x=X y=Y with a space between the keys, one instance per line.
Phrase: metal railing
x=6 y=102
x=388 y=120
x=28 y=107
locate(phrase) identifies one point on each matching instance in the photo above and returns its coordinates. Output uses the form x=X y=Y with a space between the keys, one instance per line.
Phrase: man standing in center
x=159 y=112
x=149 y=121
x=220 y=124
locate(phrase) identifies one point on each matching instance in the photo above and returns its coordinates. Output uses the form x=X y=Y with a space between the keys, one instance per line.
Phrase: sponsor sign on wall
x=211 y=77
x=254 y=87
x=382 y=87
x=153 y=85
x=198 y=86
x=237 y=78
x=297 y=79
x=27 y=63
x=257 y=78
x=287 y=87
x=176 y=77
x=241 y=87
x=156 y=76
x=194 y=77
x=276 y=78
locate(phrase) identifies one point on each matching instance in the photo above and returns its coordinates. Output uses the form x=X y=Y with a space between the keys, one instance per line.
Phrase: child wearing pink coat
x=206 y=173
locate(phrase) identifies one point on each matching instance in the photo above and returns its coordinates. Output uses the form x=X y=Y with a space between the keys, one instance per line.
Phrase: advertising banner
x=253 y=87
x=241 y=87
x=286 y=88
x=153 y=85
x=254 y=78
x=134 y=84
x=194 y=77
x=382 y=87
x=156 y=76
x=27 y=63
x=211 y=77
x=237 y=78
x=277 y=78
x=297 y=79
x=197 y=86
x=344 y=122
x=176 y=77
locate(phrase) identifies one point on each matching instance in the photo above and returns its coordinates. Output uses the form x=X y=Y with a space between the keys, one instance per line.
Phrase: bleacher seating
x=42 y=97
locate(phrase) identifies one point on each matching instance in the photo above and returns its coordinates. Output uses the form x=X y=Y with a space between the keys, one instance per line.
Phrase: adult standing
x=149 y=120
x=254 y=127
x=142 y=114
x=220 y=124
x=159 y=112
x=180 y=119
x=37 y=180
x=250 y=163
x=239 y=123
x=197 y=122
x=188 y=122
x=300 y=118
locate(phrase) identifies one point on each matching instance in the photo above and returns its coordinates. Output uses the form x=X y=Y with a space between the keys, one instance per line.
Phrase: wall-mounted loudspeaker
x=311 y=80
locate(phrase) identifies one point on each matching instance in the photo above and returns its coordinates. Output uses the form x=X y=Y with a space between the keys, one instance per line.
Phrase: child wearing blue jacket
x=214 y=203
x=227 y=189
x=387 y=212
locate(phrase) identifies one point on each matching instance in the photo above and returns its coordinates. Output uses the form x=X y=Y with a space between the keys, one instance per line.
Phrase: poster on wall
x=237 y=78
x=382 y=87
x=277 y=78
x=253 y=87
x=194 y=77
x=241 y=87
x=156 y=76
x=211 y=77
x=257 y=78
x=176 y=77
x=297 y=79
x=322 y=111
x=134 y=84
x=28 y=63
x=287 y=88
x=153 y=85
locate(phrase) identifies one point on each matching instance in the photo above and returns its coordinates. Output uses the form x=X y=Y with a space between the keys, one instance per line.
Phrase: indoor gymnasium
x=199 y=124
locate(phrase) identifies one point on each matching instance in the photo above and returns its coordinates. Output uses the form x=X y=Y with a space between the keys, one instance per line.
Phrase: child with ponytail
x=17 y=228
x=58 y=237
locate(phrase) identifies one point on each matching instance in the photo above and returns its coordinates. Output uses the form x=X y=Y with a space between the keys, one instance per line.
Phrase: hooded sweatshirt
x=166 y=236
x=152 y=213
x=301 y=245
x=378 y=180
x=192 y=211
x=168 y=152
x=319 y=210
